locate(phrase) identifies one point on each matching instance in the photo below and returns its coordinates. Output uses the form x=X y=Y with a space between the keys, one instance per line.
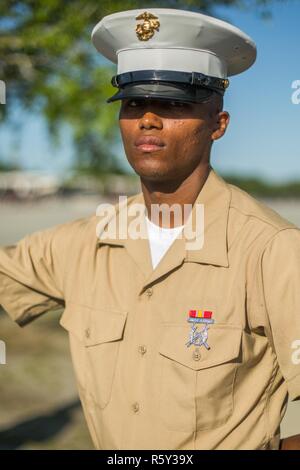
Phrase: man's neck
x=181 y=193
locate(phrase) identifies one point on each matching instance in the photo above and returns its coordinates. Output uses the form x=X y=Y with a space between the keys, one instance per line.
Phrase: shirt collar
x=215 y=196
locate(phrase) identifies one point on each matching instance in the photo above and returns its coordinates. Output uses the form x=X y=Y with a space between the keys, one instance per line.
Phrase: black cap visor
x=163 y=91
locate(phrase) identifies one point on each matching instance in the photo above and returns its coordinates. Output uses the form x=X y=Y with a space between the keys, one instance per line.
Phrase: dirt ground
x=39 y=407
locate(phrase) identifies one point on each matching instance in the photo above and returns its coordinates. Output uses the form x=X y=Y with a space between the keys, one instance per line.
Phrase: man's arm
x=280 y=277
x=290 y=443
x=32 y=273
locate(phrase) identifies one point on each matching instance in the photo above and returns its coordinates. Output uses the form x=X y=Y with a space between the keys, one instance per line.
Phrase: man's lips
x=149 y=143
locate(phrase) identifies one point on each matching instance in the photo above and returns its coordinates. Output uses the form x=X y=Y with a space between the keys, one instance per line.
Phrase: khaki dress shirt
x=140 y=384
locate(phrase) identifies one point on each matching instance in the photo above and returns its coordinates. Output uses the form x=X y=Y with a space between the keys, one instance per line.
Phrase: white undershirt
x=160 y=240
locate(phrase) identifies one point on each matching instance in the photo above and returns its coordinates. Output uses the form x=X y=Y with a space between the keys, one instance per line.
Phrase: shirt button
x=142 y=349
x=149 y=291
x=87 y=333
x=135 y=407
x=196 y=355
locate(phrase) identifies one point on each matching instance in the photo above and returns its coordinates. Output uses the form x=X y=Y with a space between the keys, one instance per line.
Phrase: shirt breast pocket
x=197 y=384
x=95 y=338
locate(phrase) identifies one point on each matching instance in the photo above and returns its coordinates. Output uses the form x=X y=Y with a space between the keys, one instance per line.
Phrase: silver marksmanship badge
x=196 y=337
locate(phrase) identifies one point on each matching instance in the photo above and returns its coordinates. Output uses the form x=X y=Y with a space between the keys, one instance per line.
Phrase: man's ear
x=222 y=122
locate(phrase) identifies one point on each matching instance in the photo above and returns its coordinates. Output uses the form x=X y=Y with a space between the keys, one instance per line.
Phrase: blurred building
x=28 y=184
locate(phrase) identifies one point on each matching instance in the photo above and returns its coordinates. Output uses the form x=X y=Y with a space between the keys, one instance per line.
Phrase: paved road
x=18 y=219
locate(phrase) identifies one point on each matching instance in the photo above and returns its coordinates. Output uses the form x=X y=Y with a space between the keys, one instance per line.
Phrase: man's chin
x=152 y=172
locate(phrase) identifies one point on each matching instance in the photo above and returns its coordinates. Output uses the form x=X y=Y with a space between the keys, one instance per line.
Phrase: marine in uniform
x=173 y=347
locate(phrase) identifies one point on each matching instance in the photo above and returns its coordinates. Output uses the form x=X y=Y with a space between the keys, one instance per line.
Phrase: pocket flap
x=223 y=340
x=93 y=325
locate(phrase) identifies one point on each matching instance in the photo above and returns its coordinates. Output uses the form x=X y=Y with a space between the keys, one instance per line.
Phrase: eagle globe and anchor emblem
x=199 y=337
x=147 y=29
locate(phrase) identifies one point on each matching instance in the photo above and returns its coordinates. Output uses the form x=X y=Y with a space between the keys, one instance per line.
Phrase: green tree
x=49 y=65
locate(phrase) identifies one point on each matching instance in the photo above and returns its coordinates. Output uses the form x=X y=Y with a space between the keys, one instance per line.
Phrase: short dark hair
x=219 y=100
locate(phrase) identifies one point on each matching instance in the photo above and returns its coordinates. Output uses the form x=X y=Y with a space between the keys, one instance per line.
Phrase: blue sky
x=263 y=136
x=264 y=133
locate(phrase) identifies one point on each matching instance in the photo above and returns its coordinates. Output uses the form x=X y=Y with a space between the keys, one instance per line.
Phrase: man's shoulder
x=249 y=208
x=84 y=229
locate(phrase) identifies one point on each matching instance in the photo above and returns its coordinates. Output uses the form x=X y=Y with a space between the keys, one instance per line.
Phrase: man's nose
x=150 y=120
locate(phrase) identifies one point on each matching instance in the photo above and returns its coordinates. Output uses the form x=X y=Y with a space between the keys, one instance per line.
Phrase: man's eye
x=178 y=104
x=133 y=103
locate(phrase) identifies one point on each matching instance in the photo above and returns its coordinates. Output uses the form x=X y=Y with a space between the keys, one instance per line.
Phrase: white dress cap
x=173 y=40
